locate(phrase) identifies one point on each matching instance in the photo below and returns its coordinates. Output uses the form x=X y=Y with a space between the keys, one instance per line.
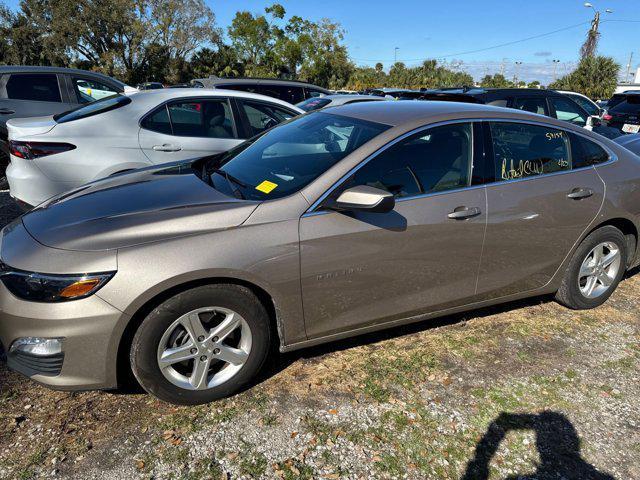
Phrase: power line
x=506 y=44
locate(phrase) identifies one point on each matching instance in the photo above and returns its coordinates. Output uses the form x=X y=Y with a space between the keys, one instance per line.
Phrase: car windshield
x=630 y=105
x=315 y=103
x=94 y=108
x=290 y=156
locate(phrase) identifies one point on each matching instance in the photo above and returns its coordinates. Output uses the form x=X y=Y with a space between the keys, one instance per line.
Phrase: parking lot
x=529 y=389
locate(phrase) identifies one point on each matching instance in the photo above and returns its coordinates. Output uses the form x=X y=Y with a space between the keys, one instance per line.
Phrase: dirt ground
x=528 y=390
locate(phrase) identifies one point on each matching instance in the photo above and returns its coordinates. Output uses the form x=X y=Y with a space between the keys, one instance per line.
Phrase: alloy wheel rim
x=599 y=270
x=204 y=348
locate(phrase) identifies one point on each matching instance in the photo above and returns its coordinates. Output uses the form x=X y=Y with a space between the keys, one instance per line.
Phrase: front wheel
x=595 y=270
x=201 y=345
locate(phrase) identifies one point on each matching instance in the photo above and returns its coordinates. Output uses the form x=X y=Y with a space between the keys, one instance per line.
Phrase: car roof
x=412 y=112
x=259 y=81
x=4 y=69
x=161 y=95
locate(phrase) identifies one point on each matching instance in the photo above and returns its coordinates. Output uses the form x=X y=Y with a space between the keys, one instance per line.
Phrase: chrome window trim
x=311 y=211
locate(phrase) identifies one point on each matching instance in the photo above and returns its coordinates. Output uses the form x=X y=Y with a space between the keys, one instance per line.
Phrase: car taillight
x=31 y=150
x=607 y=117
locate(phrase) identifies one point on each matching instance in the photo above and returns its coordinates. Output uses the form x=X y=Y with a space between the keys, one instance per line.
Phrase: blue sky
x=427 y=29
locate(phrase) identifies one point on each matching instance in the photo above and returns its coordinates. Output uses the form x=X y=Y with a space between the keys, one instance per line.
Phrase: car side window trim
x=166 y=104
x=488 y=152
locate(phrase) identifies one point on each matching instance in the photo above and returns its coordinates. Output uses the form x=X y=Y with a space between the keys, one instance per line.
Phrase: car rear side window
x=40 y=87
x=99 y=106
x=313 y=104
x=523 y=150
x=158 y=121
x=433 y=160
x=585 y=153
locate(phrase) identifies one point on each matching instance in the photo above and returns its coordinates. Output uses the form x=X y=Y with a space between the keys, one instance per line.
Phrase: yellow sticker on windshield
x=266 y=186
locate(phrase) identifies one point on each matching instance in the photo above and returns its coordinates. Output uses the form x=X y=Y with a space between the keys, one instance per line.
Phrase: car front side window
x=262 y=116
x=89 y=91
x=524 y=150
x=567 y=110
x=434 y=160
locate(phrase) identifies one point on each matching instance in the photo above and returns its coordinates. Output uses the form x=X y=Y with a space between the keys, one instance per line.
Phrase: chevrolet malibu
x=333 y=224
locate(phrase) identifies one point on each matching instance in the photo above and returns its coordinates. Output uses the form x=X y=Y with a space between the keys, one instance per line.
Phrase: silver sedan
x=54 y=154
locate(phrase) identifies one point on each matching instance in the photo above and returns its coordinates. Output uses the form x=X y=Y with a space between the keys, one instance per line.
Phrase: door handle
x=462 y=213
x=578 y=193
x=6 y=111
x=167 y=148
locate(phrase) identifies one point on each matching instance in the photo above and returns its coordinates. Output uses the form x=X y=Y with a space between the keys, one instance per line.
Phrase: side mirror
x=593 y=121
x=366 y=198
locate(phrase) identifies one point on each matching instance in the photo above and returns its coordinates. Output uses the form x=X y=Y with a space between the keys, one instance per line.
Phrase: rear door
x=539 y=204
x=188 y=128
x=31 y=95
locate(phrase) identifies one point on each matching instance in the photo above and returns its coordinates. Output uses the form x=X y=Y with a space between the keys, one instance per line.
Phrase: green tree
x=596 y=77
x=495 y=81
x=534 y=84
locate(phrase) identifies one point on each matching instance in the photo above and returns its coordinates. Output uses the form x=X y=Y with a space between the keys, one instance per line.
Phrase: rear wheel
x=201 y=345
x=595 y=270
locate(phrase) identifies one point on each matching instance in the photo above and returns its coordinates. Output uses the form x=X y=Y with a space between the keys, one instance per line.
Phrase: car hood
x=146 y=205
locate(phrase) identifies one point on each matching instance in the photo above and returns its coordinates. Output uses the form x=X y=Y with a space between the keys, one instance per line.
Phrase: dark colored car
x=544 y=102
x=150 y=86
x=288 y=90
x=40 y=91
x=624 y=114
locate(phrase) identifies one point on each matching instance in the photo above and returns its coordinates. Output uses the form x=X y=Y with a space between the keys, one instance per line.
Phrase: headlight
x=39 y=287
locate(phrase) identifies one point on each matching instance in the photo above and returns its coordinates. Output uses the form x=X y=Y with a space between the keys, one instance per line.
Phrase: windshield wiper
x=230 y=178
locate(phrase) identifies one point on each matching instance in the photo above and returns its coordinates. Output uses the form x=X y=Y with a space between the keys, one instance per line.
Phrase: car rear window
x=630 y=105
x=95 y=108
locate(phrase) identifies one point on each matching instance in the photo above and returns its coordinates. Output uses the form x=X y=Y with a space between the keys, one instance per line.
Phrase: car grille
x=49 y=366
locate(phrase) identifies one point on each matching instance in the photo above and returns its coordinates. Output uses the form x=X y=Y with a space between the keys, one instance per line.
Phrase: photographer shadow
x=557 y=443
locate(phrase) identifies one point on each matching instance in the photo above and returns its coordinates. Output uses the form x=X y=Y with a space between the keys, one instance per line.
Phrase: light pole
x=590 y=44
x=395 y=55
x=555 y=65
x=515 y=77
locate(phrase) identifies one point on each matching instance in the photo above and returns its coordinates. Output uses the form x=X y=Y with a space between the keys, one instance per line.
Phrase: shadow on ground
x=557 y=442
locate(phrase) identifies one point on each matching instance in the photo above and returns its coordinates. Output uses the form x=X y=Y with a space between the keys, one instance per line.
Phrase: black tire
x=144 y=347
x=569 y=293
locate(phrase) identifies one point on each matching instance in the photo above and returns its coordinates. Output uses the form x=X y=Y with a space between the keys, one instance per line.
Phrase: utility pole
x=555 y=65
x=591 y=43
x=629 y=67
x=395 y=55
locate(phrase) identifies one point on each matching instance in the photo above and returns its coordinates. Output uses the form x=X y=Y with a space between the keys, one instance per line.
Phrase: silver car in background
x=336 y=100
x=50 y=155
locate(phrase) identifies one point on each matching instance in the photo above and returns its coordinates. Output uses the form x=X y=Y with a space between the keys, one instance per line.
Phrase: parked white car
x=585 y=102
x=51 y=155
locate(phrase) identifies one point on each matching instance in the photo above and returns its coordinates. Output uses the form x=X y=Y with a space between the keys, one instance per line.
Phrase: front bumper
x=90 y=328
x=90 y=332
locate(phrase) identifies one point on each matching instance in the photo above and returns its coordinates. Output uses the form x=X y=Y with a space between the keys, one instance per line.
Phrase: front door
x=186 y=129
x=362 y=268
x=542 y=201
